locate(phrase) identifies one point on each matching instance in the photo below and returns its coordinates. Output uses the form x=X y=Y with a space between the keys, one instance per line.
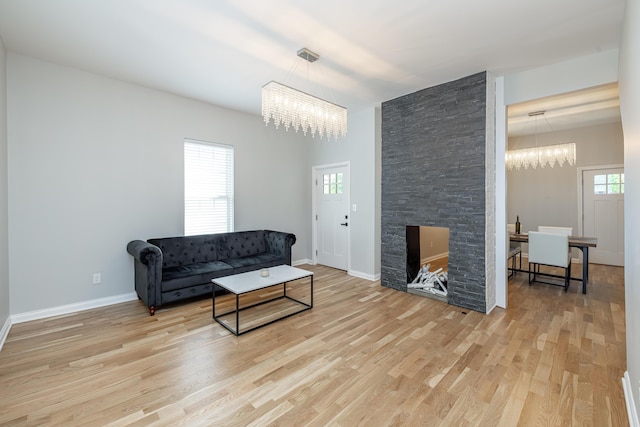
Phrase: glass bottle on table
x=517 y=224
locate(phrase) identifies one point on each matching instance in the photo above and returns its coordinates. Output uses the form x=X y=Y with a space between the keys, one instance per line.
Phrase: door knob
x=345 y=224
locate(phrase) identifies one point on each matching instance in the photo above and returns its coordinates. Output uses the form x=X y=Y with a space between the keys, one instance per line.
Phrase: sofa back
x=185 y=250
x=245 y=243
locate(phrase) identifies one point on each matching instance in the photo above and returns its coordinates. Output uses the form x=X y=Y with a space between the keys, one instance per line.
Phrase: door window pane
x=612 y=183
x=332 y=183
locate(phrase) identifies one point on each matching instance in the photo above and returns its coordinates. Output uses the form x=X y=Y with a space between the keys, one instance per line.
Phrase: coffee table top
x=252 y=280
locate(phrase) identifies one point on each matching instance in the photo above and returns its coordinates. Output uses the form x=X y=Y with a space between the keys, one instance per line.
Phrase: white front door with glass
x=603 y=214
x=333 y=216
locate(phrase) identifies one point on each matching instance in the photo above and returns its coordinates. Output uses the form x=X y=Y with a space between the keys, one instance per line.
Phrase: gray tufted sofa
x=175 y=268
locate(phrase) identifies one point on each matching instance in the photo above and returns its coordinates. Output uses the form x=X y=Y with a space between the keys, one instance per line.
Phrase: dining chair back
x=551 y=249
x=555 y=230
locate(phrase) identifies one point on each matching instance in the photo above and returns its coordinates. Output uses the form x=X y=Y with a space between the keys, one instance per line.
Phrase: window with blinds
x=208 y=188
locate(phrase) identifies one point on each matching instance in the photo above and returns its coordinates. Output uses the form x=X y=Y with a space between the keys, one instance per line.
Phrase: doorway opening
x=601 y=191
x=589 y=117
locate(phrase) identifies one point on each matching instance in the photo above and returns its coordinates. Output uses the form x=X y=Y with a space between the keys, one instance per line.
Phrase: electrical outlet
x=97 y=278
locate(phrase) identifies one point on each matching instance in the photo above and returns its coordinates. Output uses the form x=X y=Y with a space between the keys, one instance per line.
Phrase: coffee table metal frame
x=243 y=283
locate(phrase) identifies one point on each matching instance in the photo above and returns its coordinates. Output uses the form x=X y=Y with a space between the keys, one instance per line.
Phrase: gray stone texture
x=433 y=173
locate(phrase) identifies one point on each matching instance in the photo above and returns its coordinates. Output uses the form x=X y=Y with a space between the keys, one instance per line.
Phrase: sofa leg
x=152 y=310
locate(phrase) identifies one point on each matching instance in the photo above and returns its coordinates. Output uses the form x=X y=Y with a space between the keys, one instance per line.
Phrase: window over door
x=208 y=188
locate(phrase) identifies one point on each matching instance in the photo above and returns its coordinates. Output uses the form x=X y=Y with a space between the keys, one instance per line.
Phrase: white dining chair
x=549 y=249
x=556 y=230
x=515 y=251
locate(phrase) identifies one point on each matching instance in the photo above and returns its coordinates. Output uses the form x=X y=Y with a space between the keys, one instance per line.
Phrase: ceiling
x=589 y=107
x=223 y=51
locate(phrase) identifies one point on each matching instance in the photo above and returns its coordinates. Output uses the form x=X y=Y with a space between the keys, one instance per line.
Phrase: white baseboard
x=350 y=272
x=361 y=275
x=628 y=399
x=491 y=308
x=72 y=308
x=4 y=332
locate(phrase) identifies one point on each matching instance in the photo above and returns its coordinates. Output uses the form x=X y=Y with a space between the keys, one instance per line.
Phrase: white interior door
x=333 y=216
x=603 y=214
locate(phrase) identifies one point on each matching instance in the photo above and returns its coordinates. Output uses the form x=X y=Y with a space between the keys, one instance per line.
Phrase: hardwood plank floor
x=364 y=355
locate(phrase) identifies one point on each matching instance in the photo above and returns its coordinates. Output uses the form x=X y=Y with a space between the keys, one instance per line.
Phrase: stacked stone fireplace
x=438 y=151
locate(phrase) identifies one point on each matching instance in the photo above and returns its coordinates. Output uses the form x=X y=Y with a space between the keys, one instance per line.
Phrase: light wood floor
x=364 y=355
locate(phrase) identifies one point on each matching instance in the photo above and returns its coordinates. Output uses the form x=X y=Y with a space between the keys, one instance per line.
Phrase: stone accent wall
x=434 y=174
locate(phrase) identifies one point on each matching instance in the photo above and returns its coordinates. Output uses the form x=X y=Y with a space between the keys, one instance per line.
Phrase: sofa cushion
x=193 y=274
x=251 y=261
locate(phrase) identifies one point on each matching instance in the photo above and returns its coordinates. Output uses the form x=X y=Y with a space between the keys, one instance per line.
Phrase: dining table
x=581 y=242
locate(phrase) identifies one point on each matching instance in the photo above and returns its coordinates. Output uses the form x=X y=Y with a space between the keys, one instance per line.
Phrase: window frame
x=201 y=215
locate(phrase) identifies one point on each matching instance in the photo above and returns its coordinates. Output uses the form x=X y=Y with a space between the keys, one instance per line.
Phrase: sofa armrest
x=279 y=243
x=143 y=251
x=148 y=272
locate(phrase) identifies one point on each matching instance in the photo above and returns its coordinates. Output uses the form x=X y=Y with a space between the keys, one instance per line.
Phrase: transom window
x=332 y=183
x=611 y=183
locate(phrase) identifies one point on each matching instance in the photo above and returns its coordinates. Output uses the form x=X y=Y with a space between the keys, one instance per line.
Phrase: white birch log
x=431 y=281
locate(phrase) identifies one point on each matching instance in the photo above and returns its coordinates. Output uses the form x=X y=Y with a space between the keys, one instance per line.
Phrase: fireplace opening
x=428 y=261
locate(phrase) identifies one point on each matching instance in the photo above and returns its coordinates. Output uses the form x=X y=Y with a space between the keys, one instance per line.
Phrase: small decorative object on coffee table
x=263 y=312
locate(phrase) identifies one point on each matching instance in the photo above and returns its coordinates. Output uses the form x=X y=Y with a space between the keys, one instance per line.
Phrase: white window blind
x=208 y=188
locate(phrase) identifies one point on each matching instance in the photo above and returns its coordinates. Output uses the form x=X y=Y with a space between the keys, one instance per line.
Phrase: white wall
x=567 y=76
x=94 y=163
x=491 y=180
x=433 y=241
x=361 y=149
x=532 y=191
x=377 y=230
x=630 y=110
x=4 y=207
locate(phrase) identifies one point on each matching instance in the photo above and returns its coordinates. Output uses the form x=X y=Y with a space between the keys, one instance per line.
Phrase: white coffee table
x=243 y=283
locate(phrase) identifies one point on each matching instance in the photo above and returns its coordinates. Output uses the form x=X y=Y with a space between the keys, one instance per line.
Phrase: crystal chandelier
x=547 y=155
x=293 y=108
